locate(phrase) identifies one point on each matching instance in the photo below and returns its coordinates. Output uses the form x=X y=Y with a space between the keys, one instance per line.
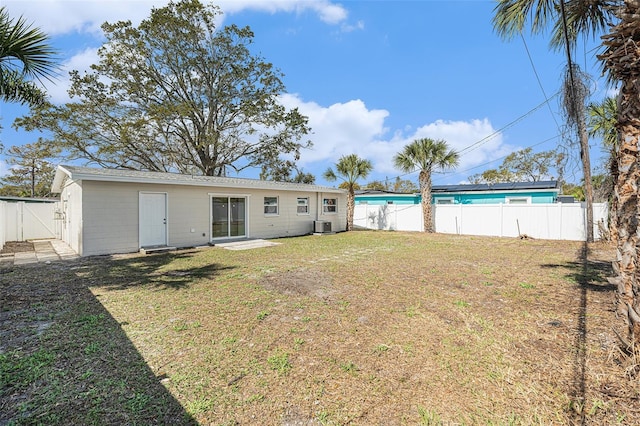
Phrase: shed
x=106 y=211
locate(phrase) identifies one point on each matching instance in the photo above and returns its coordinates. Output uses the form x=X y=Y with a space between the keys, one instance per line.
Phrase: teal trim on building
x=503 y=193
x=383 y=199
x=498 y=197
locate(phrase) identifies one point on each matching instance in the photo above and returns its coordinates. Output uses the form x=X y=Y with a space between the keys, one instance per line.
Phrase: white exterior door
x=153 y=219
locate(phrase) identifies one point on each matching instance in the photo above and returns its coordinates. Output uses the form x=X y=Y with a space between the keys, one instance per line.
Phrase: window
x=518 y=200
x=329 y=205
x=444 y=200
x=271 y=205
x=303 y=205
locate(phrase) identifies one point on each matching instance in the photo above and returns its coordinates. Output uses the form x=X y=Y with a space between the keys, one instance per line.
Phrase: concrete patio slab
x=247 y=244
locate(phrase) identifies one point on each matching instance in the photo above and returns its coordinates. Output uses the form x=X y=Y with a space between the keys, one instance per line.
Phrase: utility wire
x=535 y=72
x=507 y=126
x=501 y=158
x=486 y=139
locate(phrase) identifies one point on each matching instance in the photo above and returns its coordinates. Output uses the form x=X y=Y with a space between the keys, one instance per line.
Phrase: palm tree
x=350 y=168
x=568 y=20
x=426 y=155
x=24 y=53
x=623 y=64
x=621 y=60
x=602 y=123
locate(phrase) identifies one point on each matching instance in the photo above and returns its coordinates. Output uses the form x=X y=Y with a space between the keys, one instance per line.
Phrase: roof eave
x=61 y=173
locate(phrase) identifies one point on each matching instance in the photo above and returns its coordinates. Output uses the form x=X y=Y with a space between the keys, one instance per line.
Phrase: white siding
x=109 y=218
x=71 y=200
x=288 y=222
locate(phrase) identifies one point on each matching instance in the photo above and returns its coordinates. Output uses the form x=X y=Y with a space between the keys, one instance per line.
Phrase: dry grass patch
x=354 y=328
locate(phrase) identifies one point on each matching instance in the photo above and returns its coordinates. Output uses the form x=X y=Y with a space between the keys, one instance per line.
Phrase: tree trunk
x=350 y=208
x=627 y=214
x=33 y=179
x=622 y=60
x=425 y=192
x=586 y=171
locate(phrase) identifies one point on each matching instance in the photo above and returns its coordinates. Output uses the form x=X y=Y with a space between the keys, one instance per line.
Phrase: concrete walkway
x=44 y=251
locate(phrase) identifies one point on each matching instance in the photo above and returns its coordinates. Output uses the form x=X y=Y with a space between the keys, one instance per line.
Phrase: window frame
x=265 y=206
x=326 y=205
x=511 y=199
x=306 y=205
x=445 y=201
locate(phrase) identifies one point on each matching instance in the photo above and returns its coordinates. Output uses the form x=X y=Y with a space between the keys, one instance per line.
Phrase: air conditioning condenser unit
x=321 y=226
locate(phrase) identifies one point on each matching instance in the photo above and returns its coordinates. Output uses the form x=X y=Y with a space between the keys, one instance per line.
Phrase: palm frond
x=25 y=49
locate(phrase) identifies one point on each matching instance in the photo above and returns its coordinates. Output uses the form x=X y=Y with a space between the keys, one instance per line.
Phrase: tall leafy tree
x=524 y=166
x=176 y=93
x=349 y=168
x=287 y=171
x=426 y=155
x=25 y=54
x=31 y=170
x=406 y=186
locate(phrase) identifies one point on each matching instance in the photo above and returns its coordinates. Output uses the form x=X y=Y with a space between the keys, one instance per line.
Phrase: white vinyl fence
x=559 y=221
x=21 y=221
x=3 y=231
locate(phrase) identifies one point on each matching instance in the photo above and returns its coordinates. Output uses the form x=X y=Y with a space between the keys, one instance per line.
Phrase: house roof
x=503 y=186
x=78 y=173
x=381 y=192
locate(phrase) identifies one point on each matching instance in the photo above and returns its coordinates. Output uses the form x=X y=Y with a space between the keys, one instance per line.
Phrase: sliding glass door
x=228 y=217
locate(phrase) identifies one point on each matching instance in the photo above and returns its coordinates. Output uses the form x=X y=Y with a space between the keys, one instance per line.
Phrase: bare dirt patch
x=11 y=247
x=302 y=282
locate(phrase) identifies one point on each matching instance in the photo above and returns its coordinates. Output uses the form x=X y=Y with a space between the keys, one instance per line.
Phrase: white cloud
x=57 y=17
x=328 y=12
x=4 y=168
x=351 y=128
x=80 y=62
x=347 y=28
x=340 y=129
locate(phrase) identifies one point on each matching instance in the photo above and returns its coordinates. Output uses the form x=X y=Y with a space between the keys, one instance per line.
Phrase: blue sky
x=371 y=76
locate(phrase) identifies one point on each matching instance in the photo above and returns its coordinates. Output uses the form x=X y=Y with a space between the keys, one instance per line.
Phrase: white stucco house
x=106 y=211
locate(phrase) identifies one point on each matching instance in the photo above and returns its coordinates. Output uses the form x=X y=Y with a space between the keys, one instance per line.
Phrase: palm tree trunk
x=622 y=60
x=350 y=208
x=627 y=210
x=425 y=192
x=586 y=170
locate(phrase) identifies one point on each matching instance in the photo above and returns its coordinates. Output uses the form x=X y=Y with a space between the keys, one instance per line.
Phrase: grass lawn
x=355 y=328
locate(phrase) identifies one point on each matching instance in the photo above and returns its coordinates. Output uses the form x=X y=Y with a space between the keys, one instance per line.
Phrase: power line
x=535 y=72
x=505 y=156
x=487 y=138
x=507 y=126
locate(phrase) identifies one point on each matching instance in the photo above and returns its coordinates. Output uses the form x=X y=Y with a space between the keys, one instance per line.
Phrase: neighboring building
x=378 y=197
x=108 y=211
x=543 y=192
